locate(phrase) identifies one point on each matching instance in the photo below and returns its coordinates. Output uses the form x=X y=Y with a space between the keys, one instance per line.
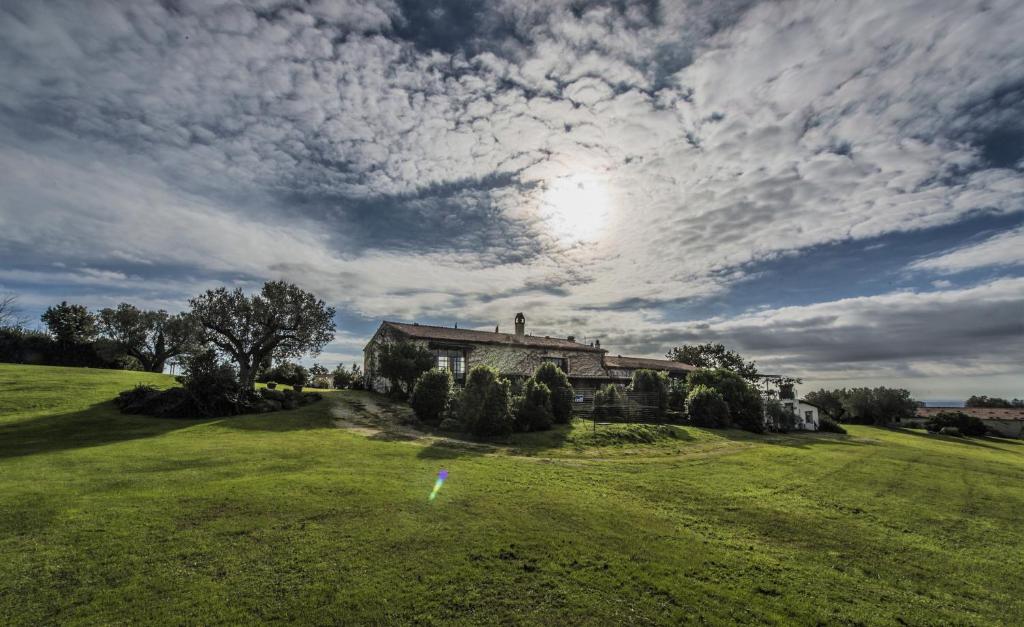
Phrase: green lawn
x=110 y=519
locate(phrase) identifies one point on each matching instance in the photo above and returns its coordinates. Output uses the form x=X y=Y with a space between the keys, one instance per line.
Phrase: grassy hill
x=289 y=517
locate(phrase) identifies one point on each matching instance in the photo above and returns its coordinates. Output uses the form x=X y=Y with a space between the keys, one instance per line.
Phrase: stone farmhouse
x=514 y=355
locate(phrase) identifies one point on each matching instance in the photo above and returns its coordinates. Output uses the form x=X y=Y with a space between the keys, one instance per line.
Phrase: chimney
x=520 y=324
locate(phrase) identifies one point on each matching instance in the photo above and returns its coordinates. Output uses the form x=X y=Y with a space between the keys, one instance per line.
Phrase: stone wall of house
x=509 y=360
x=371 y=378
x=523 y=361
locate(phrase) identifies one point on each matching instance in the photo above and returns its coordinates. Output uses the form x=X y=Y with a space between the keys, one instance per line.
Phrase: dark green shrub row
x=487 y=405
x=966 y=425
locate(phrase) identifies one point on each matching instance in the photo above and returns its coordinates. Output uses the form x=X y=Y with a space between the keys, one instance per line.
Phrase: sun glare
x=576 y=207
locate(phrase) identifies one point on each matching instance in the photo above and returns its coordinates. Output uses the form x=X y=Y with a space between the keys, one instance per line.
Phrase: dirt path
x=380 y=420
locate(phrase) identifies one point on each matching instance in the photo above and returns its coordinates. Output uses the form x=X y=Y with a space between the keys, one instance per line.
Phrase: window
x=561 y=362
x=451 y=360
x=809 y=416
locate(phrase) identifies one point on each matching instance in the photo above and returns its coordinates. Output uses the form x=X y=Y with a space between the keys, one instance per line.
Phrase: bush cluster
x=490 y=405
x=210 y=389
x=742 y=403
x=285 y=372
x=866 y=406
x=778 y=418
x=24 y=346
x=964 y=424
x=561 y=391
x=533 y=409
x=652 y=388
x=608 y=403
x=707 y=408
x=430 y=395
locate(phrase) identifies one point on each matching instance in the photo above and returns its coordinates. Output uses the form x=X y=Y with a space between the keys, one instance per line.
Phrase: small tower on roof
x=520 y=324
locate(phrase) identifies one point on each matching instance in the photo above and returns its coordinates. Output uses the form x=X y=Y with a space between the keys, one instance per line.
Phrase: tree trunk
x=246 y=376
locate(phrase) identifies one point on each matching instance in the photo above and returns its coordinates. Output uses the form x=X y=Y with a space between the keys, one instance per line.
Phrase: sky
x=835 y=189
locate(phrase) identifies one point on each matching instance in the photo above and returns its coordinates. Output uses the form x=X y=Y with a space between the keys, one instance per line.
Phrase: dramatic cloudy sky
x=834 y=188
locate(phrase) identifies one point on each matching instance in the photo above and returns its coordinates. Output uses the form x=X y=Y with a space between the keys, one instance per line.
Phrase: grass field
x=286 y=517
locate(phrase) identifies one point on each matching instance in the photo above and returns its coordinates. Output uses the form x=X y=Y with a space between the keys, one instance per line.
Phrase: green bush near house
x=745 y=406
x=430 y=395
x=651 y=386
x=779 y=418
x=485 y=406
x=706 y=407
x=561 y=391
x=533 y=408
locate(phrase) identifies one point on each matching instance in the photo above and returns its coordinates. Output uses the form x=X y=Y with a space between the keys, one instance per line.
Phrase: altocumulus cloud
x=394 y=158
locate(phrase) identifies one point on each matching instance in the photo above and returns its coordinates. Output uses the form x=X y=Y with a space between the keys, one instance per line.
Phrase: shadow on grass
x=454 y=449
x=97 y=425
x=982 y=441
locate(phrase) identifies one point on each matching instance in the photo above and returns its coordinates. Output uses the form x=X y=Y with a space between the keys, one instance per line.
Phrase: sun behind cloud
x=576 y=207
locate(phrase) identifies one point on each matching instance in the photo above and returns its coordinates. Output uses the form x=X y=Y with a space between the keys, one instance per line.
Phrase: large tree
x=712 y=355
x=70 y=324
x=282 y=321
x=152 y=337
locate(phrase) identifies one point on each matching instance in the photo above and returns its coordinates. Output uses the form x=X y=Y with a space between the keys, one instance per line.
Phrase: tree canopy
x=993 y=401
x=151 y=337
x=282 y=321
x=70 y=324
x=402 y=363
x=712 y=355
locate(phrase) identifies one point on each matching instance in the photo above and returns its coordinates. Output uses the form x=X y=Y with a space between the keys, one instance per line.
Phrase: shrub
x=950 y=431
x=707 y=408
x=677 y=395
x=401 y=363
x=146 y=400
x=561 y=391
x=430 y=395
x=744 y=402
x=484 y=405
x=134 y=400
x=213 y=385
x=271 y=385
x=828 y=425
x=285 y=372
x=652 y=387
x=963 y=423
x=533 y=408
x=450 y=424
x=779 y=418
x=608 y=403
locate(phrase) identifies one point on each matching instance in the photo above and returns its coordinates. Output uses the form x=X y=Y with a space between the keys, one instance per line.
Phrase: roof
x=807 y=402
x=449 y=334
x=984 y=413
x=619 y=361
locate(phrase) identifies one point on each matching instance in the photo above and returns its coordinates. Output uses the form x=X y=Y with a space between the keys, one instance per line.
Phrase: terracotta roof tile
x=643 y=362
x=449 y=334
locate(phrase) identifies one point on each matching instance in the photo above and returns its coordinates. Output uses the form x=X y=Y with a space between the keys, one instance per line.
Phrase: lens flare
x=441 y=476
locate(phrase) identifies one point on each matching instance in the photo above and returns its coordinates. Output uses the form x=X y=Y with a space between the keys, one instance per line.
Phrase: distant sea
x=931 y=403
